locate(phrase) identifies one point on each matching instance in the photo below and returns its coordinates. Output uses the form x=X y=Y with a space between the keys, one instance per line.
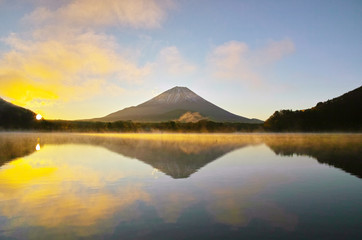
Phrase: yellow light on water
x=39 y=117
x=37 y=147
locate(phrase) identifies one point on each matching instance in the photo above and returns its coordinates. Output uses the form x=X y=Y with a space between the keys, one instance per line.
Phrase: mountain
x=172 y=105
x=175 y=159
x=12 y=116
x=343 y=113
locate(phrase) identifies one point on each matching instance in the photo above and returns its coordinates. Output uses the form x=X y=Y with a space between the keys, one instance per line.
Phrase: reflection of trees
x=181 y=155
x=174 y=156
x=340 y=151
x=14 y=145
x=85 y=200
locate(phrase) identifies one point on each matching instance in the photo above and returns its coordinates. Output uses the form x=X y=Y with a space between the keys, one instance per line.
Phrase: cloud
x=274 y=51
x=73 y=202
x=95 y=13
x=231 y=204
x=71 y=68
x=236 y=62
x=230 y=62
x=171 y=61
x=65 y=57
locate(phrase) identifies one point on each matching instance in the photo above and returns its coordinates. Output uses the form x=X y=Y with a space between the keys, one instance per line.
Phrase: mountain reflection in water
x=180 y=155
x=214 y=186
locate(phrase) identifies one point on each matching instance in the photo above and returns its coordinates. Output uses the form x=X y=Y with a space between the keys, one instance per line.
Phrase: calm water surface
x=175 y=186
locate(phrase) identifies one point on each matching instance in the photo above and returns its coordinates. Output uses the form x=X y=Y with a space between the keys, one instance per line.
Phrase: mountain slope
x=343 y=113
x=12 y=116
x=171 y=105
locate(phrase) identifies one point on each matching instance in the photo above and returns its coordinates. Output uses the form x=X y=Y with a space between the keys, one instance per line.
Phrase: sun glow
x=39 y=117
x=37 y=147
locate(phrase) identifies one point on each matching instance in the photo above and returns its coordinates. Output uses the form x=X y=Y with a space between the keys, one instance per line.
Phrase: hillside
x=15 y=117
x=343 y=113
x=173 y=104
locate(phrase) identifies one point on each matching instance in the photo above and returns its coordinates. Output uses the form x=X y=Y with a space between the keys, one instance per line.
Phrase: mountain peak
x=175 y=95
x=179 y=88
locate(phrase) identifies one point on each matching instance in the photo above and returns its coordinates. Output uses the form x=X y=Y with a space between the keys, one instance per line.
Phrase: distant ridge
x=12 y=116
x=343 y=113
x=171 y=105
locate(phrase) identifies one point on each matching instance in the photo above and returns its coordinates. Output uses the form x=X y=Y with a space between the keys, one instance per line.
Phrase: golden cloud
x=77 y=67
x=37 y=182
x=62 y=59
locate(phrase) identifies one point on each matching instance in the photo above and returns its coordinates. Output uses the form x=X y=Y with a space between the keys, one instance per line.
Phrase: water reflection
x=179 y=156
x=337 y=150
x=65 y=191
x=77 y=185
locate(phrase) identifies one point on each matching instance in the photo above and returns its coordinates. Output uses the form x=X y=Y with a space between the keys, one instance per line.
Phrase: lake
x=180 y=186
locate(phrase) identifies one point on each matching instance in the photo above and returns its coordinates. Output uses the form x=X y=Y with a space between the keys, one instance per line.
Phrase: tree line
x=130 y=126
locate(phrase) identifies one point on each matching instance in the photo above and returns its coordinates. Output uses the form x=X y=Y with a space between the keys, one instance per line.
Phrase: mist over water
x=178 y=186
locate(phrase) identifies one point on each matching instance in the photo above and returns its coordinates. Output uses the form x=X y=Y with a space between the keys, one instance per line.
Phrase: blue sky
x=74 y=59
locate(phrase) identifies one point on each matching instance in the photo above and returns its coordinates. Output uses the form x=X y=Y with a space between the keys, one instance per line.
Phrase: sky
x=79 y=59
